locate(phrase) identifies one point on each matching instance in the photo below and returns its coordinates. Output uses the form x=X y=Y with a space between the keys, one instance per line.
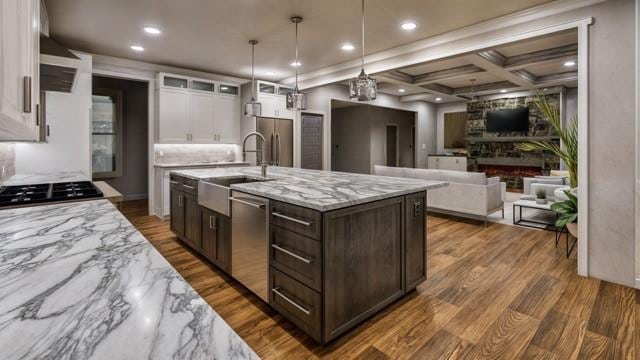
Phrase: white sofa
x=469 y=194
x=553 y=186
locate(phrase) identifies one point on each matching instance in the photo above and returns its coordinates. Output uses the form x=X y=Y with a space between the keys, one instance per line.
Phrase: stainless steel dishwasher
x=250 y=242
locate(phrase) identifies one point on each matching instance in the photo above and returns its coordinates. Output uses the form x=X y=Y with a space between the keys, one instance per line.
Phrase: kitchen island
x=325 y=249
x=78 y=281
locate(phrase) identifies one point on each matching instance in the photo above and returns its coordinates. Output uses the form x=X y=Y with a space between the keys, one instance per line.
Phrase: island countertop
x=77 y=280
x=315 y=189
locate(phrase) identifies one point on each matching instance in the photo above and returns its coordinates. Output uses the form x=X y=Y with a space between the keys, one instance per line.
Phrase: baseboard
x=135 y=197
x=637 y=283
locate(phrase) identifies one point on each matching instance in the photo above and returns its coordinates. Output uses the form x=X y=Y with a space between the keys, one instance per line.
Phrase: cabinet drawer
x=300 y=220
x=298 y=256
x=176 y=181
x=296 y=302
x=190 y=185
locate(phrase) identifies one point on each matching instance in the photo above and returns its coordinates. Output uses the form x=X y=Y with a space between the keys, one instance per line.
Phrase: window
x=106 y=119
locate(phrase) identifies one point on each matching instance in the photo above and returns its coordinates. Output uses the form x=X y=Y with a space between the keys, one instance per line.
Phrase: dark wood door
x=415 y=241
x=311 y=141
x=177 y=212
x=191 y=220
x=362 y=263
x=216 y=238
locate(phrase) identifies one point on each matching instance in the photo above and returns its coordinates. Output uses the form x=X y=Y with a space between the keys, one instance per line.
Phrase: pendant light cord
x=297 y=63
x=253 y=81
x=362 y=34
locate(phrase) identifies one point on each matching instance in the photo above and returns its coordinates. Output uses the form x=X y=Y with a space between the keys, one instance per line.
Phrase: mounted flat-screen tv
x=508 y=120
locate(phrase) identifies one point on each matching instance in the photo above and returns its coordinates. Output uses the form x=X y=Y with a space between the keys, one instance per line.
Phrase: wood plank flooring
x=499 y=292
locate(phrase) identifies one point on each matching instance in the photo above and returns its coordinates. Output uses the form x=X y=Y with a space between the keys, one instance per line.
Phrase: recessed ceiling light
x=347 y=47
x=408 y=25
x=438 y=99
x=503 y=91
x=137 y=48
x=296 y=64
x=401 y=90
x=569 y=63
x=545 y=89
x=152 y=30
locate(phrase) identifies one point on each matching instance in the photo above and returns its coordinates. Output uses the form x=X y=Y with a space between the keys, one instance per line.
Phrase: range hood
x=58 y=66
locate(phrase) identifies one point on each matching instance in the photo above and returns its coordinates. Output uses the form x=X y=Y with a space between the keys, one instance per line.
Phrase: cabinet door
x=227 y=119
x=173 y=116
x=269 y=105
x=203 y=112
x=177 y=212
x=216 y=238
x=19 y=69
x=191 y=220
x=281 y=108
x=415 y=241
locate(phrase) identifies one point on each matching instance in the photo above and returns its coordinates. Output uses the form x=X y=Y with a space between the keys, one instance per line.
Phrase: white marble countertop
x=318 y=190
x=44 y=178
x=200 y=164
x=78 y=281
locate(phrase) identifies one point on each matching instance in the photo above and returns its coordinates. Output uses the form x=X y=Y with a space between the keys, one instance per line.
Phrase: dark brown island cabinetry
x=205 y=231
x=328 y=271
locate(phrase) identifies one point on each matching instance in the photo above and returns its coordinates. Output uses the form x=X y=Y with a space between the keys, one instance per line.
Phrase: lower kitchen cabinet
x=185 y=211
x=216 y=238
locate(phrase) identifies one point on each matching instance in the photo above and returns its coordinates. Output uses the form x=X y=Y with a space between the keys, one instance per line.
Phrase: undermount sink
x=214 y=193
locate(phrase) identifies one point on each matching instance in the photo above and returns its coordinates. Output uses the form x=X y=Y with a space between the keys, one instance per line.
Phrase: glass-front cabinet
x=106 y=124
x=200 y=85
x=175 y=82
x=229 y=89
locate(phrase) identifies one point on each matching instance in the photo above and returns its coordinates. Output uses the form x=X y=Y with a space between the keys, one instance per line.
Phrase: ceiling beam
x=446 y=74
x=485 y=60
x=558 y=78
x=537 y=57
x=438 y=89
x=481 y=88
x=399 y=77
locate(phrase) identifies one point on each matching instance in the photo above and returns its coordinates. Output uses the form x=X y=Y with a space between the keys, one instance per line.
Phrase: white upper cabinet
x=203 y=118
x=19 y=69
x=198 y=111
x=273 y=98
x=173 y=115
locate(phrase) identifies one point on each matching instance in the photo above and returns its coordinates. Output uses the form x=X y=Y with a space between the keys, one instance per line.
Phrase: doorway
x=311 y=141
x=391 y=146
x=127 y=103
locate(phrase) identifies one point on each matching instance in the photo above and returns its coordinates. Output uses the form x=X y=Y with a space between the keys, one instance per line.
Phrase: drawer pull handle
x=292 y=254
x=189 y=187
x=173 y=181
x=245 y=202
x=297 y=221
x=286 y=298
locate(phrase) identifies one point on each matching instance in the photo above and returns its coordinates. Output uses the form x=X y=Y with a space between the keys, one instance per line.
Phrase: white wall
x=442 y=109
x=69 y=117
x=319 y=99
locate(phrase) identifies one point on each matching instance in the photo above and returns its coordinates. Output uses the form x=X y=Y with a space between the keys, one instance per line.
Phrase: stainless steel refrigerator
x=278 y=134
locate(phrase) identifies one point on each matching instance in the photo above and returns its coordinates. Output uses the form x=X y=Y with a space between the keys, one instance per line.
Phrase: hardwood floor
x=500 y=292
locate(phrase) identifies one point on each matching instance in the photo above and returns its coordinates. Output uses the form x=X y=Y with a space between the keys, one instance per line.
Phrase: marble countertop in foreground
x=318 y=190
x=44 y=178
x=78 y=281
x=199 y=164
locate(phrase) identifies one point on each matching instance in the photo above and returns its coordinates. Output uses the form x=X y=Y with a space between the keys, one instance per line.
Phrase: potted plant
x=541 y=197
x=568 y=213
x=568 y=135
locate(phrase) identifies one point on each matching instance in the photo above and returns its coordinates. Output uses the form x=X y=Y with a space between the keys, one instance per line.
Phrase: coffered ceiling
x=212 y=35
x=535 y=63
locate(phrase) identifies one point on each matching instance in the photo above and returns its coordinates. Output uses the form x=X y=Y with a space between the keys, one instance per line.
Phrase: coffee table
x=531 y=222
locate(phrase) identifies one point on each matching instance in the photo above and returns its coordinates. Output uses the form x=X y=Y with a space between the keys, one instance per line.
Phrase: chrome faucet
x=263 y=164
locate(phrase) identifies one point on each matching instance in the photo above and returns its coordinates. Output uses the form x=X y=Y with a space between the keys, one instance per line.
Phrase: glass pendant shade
x=296 y=100
x=363 y=88
x=252 y=108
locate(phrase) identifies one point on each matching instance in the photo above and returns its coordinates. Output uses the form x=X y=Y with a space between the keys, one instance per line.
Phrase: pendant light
x=252 y=107
x=363 y=87
x=296 y=100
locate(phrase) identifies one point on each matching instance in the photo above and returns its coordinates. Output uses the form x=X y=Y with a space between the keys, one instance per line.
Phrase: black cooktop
x=42 y=193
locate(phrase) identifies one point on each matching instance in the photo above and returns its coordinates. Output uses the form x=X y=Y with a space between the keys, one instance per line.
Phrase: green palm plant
x=568 y=137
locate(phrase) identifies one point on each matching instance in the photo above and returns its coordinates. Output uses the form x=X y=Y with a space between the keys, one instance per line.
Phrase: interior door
x=392 y=145
x=284 y=142
x=266 y=127
x=311 y=141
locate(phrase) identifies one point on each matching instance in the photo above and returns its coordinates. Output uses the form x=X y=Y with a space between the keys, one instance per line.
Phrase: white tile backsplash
x=7 y=161
x=193 y=153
